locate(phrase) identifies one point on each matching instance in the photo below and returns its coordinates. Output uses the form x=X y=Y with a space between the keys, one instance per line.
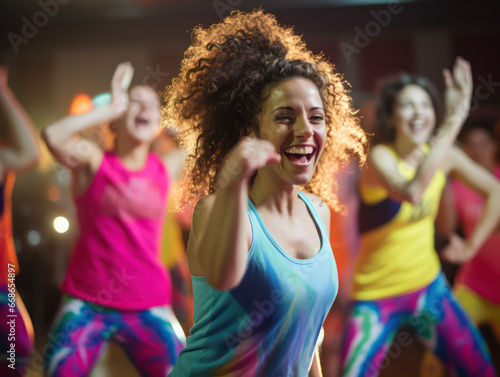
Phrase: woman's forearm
x=225 y=232
x=72 y=125
x=441 y=145
x=458 y=94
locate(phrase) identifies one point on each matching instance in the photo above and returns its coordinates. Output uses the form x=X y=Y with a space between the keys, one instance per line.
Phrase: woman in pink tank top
x=116 y=287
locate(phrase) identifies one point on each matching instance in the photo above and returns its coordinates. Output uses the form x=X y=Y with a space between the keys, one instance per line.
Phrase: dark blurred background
x=58 y=49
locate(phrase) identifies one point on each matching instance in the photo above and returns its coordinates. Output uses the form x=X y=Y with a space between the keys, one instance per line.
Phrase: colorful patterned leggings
x=151 y=338
x=482 y=312
x=435 y=316
x=16 y=329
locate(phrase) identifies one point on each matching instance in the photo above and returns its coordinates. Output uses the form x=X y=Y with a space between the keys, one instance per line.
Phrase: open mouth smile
x=141 y=121
x=300 y=155
x=418 y=126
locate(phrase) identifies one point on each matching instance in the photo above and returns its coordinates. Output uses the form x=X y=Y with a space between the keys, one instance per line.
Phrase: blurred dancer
x=478 y=280
x=116 y=287
x=18 y=154
x=397 y=279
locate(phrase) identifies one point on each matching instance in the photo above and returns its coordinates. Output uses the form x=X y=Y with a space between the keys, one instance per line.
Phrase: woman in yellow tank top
x=397 y=278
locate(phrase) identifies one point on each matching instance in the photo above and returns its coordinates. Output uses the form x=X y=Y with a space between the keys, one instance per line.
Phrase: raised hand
x=458 y=90
x=457 y=251
x=246 y=157
x=119 y=87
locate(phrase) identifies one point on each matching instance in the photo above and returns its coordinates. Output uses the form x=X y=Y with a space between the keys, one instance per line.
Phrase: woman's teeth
x=418 y=125
x=299 y=155
x=299 y=150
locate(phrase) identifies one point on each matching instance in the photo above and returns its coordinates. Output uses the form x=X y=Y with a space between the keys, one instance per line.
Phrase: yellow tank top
x=397 y=239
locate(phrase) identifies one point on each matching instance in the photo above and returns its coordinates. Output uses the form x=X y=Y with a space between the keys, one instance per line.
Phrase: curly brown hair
x=227 y=74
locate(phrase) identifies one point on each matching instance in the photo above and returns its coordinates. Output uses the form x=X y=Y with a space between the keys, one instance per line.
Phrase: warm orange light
x=54 y=194
x=81 y=104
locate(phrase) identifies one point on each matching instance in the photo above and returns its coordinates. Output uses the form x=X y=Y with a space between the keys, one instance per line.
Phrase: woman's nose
x=146 y=105
x=302 y=128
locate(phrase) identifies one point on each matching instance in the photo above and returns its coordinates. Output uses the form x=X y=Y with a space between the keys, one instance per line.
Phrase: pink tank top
x=116 y=261
x=481 y=274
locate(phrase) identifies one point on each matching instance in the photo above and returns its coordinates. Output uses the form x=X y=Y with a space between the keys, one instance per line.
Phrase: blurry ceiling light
x=61 y=224
x=102 y=99
x=34 y=237
x=81 y=104
x=54 y=194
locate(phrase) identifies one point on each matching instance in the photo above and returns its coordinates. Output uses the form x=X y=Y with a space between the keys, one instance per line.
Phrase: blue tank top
x=269 y=324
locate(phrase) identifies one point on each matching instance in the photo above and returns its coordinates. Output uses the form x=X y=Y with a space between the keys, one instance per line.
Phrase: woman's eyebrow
x=291 y=108
x=283 y=108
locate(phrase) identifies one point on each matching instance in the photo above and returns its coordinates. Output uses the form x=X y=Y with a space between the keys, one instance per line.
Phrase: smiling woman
x=263 y=118
x=294 y=122
x=228 y=73
x=397 y=279
x=116 y=287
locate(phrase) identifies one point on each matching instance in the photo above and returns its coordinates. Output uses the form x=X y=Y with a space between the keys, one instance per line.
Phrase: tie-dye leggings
x=16 y=335
x=151 y=338
x=436 y=317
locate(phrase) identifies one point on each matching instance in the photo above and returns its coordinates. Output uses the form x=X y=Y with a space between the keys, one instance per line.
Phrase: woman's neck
x=273 y=195
x=408 y=151
x=132 y=154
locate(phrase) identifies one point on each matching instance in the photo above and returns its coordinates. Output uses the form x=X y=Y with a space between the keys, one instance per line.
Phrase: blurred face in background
x=480 y=146
x=413 y=115
x=142 y=120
